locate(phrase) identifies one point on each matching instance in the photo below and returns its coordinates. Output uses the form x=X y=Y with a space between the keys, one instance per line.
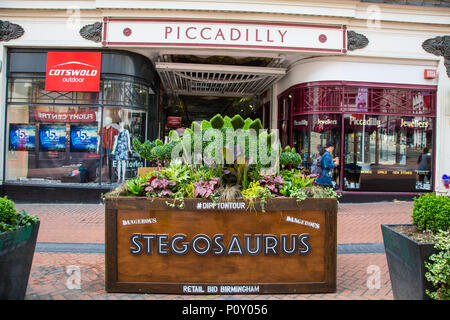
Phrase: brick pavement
x=75 y=223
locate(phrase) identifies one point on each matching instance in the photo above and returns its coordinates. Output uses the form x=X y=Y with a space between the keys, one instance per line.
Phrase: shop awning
x=216 y=80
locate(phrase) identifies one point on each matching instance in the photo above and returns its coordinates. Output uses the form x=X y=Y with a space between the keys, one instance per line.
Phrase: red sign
x=430 y=74
x=73 y=71
x=64 y=116
x=174 y=122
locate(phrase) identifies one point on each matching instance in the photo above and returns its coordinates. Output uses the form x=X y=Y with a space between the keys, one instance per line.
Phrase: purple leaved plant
x=205 y=188
x=159 y=186
x=274 y=184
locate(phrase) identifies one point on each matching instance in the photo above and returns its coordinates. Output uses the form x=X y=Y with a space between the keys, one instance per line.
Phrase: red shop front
x=384 y=134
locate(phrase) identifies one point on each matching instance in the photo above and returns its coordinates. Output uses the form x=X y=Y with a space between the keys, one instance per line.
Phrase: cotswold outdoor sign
x=224 y=34
x=73 y=71
x=220 y=249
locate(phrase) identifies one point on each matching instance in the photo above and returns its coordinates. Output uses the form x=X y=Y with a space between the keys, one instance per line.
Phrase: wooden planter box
x=220 y=248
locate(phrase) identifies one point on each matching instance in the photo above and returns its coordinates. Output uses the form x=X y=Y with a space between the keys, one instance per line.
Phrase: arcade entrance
x=198 y=87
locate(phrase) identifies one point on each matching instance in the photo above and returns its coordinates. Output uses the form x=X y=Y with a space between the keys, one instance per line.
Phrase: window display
x=388 y=153
x=52 y=137
x=83 y=138
x=120 y=125
x=22 y=137
x=310 y=135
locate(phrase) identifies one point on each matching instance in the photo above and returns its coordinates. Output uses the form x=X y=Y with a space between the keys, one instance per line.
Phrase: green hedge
x=431 y=212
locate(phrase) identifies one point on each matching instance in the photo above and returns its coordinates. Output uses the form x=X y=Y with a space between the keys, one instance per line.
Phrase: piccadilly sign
x=73 y=71
x=224 y=34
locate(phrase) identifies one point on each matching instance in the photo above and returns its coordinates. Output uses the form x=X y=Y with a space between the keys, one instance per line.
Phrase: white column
x=274 y=107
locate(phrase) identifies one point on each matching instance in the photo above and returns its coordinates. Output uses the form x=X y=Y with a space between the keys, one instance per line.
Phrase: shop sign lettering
x=73 y=71
x=220 y=205
x=220 y=289
x=138 y=221
x=202 y=244
x=364 y=122
x=211 y=33
x=414 y=124
x=303 y=222
x=65 y=116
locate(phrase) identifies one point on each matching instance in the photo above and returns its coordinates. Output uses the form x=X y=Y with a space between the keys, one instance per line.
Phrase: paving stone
x=66 y=226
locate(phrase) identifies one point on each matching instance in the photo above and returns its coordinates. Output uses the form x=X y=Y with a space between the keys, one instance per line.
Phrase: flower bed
x=231 y=220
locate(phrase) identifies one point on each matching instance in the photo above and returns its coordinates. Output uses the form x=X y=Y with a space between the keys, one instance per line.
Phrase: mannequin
x=109 y=134
x=122 y=145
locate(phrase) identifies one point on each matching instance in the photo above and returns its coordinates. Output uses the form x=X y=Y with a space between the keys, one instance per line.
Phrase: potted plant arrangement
x=232 y=179
x=18 y=235
x=418 y=253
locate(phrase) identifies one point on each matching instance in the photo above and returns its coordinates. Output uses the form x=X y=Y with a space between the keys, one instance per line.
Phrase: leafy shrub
x=206 y=124
x=256 y=125
x=11 y=219
x=290 y=157
x=144 y=149
x=237 y=122
x=217 y=122
x=439 y=268
x=431 y=212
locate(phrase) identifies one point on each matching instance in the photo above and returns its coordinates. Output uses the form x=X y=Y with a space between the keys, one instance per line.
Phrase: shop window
x=56 y=137
x=311 y=132
x=388 y=153
x=125 y=93
x=48 y=144
x=120 y=125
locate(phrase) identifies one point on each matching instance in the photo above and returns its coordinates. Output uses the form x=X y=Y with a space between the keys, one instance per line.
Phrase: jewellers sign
x=224 y=34
x=73 y=71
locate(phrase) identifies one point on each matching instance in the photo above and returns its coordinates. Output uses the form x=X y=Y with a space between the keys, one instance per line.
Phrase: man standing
x=327 y=163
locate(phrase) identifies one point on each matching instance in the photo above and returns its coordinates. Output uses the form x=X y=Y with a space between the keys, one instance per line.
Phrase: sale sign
x=73 y=71
x=52 y=137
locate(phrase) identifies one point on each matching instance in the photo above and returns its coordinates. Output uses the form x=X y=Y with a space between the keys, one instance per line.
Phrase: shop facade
x=371 y=77
x=383 y=133
x=60 y=139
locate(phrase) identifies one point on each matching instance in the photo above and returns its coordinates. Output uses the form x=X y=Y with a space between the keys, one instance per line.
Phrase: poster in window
x=83 y=138
x=52 y=137
x=361 y=99
x=22 y=137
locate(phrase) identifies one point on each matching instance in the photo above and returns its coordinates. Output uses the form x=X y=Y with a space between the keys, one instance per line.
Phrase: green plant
x=290 y=157
x=237 y=122
x=135 y=187
x=256 y=125
x=177 y=172
x=256 y=191
x=431 y=212
x=439 y=268
x=217 y=122
x=11 y=219
x=144 y=149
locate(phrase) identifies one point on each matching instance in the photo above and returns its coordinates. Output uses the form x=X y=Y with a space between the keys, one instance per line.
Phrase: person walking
x=316 y=169
x=328 y=164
